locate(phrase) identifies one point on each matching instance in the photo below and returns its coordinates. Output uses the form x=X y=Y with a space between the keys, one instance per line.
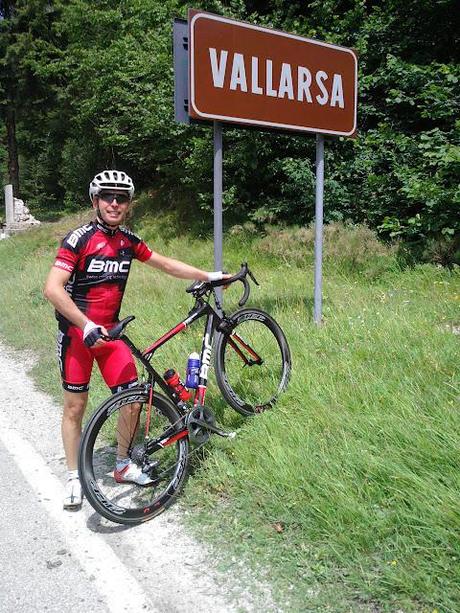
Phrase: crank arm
x=213 y=429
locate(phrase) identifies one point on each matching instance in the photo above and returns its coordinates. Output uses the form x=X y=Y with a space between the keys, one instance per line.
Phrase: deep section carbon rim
x=253 y=363
x=157 y=444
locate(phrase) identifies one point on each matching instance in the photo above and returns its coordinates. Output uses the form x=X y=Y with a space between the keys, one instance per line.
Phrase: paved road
x=54 y=560
x=39 y=571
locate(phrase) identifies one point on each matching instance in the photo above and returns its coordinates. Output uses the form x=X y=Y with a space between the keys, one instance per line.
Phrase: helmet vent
x=111 y=179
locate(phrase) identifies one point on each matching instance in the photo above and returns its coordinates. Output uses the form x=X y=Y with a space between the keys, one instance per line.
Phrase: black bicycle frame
x=213 y=321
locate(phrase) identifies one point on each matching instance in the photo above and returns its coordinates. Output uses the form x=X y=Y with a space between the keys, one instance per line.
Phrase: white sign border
x=258 y=122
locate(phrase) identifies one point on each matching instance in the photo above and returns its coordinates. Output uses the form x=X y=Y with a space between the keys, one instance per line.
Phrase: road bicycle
x=252 y=364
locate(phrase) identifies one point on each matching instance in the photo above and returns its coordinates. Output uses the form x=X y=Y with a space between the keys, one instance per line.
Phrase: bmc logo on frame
x=108 y=266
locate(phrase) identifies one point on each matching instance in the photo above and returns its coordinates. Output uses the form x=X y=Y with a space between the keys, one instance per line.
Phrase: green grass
x=346 y=496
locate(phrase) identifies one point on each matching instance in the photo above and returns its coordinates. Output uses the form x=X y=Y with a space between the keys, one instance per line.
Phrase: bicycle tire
x=252 y=361
x=128 y=503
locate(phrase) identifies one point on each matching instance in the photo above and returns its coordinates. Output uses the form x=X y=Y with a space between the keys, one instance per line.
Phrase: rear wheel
x=253 y=361
x=157 y=443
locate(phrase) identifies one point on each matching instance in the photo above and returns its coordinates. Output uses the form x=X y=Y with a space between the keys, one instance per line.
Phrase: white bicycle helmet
x=111 y=179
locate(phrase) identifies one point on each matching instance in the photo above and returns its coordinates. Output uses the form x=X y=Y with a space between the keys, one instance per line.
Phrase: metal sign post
x=180 y=39
x=319 y=192
x=233 y=72
x=218 y=258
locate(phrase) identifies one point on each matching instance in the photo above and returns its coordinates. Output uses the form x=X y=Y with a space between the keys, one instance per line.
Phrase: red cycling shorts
x=114 y=359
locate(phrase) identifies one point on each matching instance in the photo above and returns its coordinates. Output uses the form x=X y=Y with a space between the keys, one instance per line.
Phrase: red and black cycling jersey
x=99 y=259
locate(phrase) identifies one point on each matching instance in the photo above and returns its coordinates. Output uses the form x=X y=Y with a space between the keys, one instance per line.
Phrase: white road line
x=112 y=579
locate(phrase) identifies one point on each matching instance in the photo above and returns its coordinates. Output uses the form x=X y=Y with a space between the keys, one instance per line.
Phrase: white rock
x=22 y=214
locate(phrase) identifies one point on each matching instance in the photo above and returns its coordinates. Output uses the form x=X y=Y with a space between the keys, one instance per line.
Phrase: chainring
x=198 y=434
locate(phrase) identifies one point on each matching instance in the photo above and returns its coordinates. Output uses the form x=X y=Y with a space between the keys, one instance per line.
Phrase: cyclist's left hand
x=93 y=335
x=226 y=275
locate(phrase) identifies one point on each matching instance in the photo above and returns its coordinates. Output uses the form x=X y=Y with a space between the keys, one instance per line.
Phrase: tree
x=91 y=85
x=8 y=102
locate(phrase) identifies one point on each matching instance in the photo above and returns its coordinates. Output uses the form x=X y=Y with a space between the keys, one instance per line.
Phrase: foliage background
x=91 y=83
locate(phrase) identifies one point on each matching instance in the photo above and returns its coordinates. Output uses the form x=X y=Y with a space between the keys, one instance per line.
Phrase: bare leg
x=128 y=421
x=74 y=409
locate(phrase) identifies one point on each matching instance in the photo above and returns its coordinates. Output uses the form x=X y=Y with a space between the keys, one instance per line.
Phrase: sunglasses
x=120 y=198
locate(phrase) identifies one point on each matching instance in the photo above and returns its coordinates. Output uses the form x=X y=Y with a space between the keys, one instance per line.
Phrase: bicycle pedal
x=227 y=434
x=150 y=466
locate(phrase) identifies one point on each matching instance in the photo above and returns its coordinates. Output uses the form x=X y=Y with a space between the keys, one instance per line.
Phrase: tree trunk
x=12 y=144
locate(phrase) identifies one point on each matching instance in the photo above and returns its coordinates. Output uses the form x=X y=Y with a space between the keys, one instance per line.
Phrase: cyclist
x=86 y=286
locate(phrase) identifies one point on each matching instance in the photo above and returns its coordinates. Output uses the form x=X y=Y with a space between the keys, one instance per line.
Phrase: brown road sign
x=247 y=74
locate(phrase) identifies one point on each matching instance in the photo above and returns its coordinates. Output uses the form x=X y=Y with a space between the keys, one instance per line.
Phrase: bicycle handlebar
x=200 y=288
x=117 y=330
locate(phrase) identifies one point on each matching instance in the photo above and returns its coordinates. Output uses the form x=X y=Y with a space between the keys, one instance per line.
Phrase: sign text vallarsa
x=297 y=87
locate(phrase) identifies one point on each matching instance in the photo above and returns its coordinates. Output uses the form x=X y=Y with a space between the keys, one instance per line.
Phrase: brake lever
x=253 y=277
x=194 y=287
x=245 y=297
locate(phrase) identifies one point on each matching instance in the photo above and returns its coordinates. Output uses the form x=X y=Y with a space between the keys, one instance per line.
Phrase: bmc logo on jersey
x=108 y=266
x=77 y=234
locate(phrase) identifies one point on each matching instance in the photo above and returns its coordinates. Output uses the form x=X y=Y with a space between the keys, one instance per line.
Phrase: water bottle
x=173 y=380
x=193 y=371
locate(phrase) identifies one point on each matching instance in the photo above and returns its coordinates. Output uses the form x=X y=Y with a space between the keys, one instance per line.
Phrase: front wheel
x=253 y=361
x=154 y=439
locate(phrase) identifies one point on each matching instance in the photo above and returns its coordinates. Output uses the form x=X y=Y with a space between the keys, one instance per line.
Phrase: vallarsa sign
x=246 y=74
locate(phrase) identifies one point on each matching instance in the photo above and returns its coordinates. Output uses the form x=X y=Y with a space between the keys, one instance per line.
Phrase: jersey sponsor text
x=64 y=265
x=108 y=266
x=76 y=234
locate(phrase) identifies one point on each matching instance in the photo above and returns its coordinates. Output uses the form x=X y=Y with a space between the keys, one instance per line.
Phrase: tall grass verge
x=346 y=495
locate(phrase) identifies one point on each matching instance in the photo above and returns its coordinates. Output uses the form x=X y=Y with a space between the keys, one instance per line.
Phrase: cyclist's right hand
x=93 y=335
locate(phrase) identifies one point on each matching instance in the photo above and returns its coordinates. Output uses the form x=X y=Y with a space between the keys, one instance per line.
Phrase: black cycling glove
x=91 y=333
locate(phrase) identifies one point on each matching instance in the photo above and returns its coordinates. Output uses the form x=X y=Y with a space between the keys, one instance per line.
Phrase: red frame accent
x=176 y=437
x=199 y=396
x=165 y=338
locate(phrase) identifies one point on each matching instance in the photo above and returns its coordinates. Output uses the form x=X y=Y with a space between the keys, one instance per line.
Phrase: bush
x=350 y=248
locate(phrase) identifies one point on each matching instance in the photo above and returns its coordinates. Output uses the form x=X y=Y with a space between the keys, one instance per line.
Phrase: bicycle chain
x=191 y=453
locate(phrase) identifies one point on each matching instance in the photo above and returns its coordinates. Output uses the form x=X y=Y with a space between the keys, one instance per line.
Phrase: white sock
x=122 y=462
x=72 y=474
